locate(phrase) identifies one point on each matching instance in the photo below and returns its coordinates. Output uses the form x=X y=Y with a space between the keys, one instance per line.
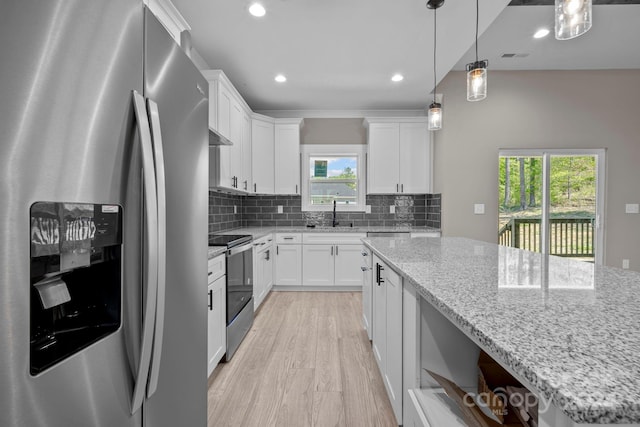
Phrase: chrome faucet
x=334 y=222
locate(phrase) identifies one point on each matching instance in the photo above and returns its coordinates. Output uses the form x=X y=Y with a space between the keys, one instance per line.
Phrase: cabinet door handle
x=397 y=188
x=365 y=254
x=379 y=269
x=336 y=250
x=277 y=250
x=246 y=185
x=402 y=188
x=255 y=187
x=267 y=257
x=296 y=188
x=331 y=250
x=364 y=268
x=288 y=238
x=211 y=300
x=210 y=273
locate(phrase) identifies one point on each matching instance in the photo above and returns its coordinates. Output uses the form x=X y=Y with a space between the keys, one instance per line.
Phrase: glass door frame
x=546 y=154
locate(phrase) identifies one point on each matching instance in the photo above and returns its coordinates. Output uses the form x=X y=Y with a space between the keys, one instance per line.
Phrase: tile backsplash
x=254 y=211
x=221 y=211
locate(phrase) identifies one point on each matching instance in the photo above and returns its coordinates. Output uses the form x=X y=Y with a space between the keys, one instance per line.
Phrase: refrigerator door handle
x=150 y=272
x=158 y=155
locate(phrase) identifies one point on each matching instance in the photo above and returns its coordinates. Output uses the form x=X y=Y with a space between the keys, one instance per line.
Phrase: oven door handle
x=238 y=249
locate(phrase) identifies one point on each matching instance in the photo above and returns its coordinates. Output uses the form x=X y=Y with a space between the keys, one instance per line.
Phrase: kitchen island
x=568 y=331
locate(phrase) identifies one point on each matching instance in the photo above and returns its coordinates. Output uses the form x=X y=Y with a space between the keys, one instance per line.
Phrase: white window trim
x=353 y=150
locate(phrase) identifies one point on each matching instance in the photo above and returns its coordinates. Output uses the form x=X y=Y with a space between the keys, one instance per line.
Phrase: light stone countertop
x=258 y=232
x=569 y=328
x=214 y=251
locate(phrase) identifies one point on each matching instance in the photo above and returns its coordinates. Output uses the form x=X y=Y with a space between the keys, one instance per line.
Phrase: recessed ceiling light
x=542 y=32
x=280 y=78
x=397 y=78
x=257 y=9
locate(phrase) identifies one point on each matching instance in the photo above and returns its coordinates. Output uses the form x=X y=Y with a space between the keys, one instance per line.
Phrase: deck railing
x=569 y=237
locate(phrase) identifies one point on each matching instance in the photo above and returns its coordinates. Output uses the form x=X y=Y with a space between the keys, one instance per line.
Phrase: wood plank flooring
x=306 y=361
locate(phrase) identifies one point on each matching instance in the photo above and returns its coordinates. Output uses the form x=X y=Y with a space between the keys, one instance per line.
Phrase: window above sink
x=333 y=173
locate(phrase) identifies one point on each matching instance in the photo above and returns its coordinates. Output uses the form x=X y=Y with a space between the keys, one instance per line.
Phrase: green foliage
x=572 y=183
x=347 y=173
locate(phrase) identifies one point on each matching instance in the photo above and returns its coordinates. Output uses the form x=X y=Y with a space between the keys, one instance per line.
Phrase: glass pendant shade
x=573 y=18
x=477 y=81
x=434 y=116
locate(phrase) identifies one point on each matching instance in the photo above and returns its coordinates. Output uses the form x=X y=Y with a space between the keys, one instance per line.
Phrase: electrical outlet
x=632 y=208
x=280 y=209
x=392 y=209
x=625 y=264
x=235 y=209
x=367 y=209
x=478 y=209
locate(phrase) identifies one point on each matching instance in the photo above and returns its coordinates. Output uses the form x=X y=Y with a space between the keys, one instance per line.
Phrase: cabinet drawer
x=264 y=240
x=216 y=267
x=288 y=238
x=333 y=238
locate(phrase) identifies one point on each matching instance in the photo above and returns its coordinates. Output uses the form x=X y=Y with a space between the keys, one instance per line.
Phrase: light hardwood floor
x=306 y=361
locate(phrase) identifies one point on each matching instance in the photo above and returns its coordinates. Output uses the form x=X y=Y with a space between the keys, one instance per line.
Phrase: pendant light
x=434 y=115
x=477 y=72
x=573 y=18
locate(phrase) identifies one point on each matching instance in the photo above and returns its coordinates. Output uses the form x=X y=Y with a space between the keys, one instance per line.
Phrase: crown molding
x=341 y=114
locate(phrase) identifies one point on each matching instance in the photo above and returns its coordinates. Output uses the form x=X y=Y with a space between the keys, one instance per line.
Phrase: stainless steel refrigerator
x=103 y=218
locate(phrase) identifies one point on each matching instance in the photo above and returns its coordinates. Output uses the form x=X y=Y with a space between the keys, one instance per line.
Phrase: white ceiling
x=340 y=55
x=611 y=43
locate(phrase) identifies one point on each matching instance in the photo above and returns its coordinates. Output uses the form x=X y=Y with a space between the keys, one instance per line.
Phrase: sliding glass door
x=551 y=201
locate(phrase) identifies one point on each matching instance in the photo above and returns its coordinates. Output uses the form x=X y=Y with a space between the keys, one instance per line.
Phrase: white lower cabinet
x=387 y=331
x=331 y=259
x=263 y=269
x=288 y=259
x=367 y=297
x=216 y=314
x=318 y=265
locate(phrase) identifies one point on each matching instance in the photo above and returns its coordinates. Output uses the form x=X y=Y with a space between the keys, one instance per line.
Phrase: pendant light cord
x=435 y=46
x=477 y=20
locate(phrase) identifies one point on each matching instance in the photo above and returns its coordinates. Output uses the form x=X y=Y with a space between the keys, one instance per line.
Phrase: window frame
x=601 y=172
x=338 y=150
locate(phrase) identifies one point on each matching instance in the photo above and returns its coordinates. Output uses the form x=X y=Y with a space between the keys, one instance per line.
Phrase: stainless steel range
x=239 y=287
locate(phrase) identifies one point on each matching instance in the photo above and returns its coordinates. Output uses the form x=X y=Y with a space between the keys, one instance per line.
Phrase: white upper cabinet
x=171 y=19
x=399 y=159
x=224 y=105
x=245 y=158
x=230 y=116
x=262 y=153
x=415 y=158
x=287 y=156
x=384 y=158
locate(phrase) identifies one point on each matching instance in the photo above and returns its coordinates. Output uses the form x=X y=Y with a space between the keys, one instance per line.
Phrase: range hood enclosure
x=217 y=139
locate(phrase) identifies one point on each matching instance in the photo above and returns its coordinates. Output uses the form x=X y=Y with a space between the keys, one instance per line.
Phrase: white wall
x=540 y=109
